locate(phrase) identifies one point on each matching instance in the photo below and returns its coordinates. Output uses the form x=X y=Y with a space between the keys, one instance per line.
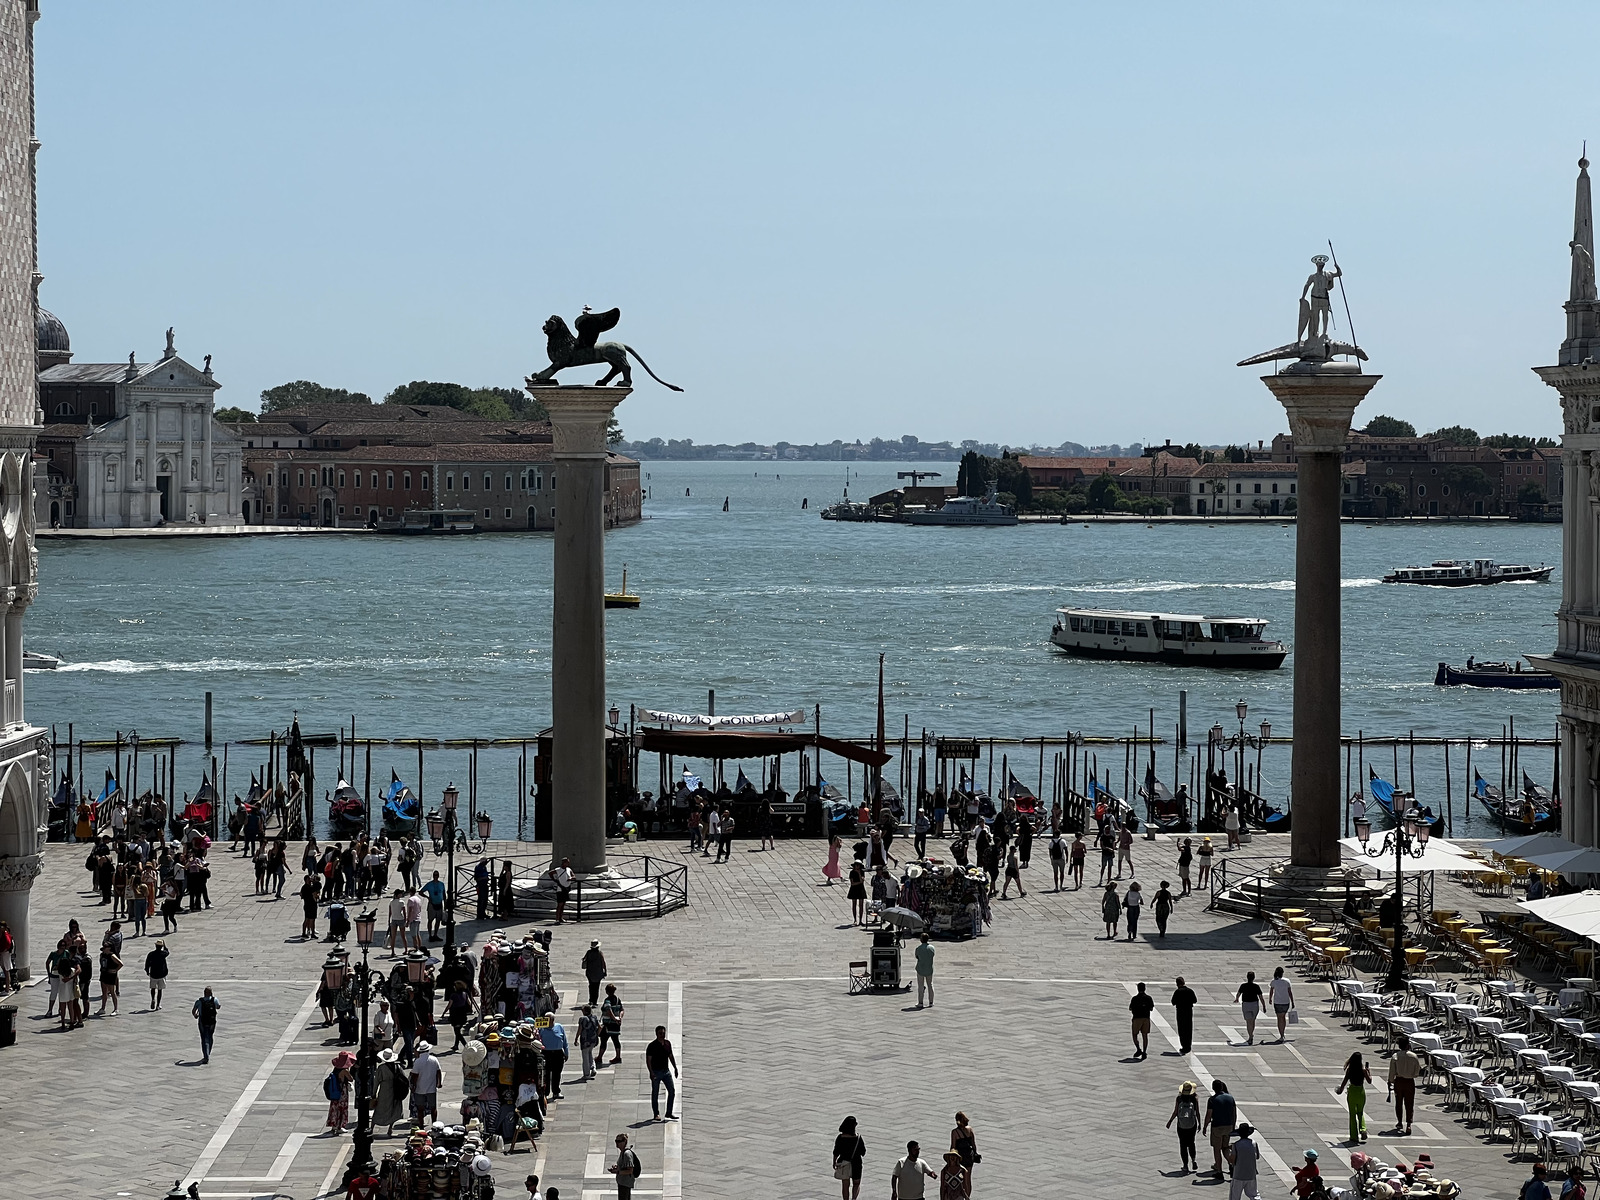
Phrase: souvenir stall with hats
x=439 y=1163
x=952 y=901
x=514 y=977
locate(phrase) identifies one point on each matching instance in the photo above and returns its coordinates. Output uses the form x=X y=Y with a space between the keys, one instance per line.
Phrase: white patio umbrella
x=1532 y=843
x=1580 y=860
x=1437 y=855
x=1576 y=912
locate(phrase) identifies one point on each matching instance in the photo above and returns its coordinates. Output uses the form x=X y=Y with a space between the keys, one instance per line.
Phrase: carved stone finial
x=172 y=349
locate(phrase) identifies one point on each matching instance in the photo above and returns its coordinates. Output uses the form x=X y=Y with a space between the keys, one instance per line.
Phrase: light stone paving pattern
x=1029 y=1036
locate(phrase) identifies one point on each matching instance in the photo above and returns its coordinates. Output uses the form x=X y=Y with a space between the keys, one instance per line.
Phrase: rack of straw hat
x=514 y=976
x=953 y=901
x=440 y=1162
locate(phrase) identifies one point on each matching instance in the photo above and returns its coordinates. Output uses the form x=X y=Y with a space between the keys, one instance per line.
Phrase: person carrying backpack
x=588 y=1039
x=627 y=1167
x=336 y=1086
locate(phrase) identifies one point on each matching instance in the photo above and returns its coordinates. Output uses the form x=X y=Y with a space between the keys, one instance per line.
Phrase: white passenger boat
x=1463 y=572
x=32 y=660
x=1176 y=638
x=967 y=510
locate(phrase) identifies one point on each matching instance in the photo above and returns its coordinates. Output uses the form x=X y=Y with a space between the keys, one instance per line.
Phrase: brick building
x=349 y=466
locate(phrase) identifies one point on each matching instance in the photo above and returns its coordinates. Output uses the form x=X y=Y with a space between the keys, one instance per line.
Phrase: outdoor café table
x=1427 y=1041
x=1530 y=1058
x=1585 y=1088
x=1571 y=997
x=1486 y=1027
x=1497 y=957
x=1557 y=1074
x=1441 y=915
x=1414 y=955
x=1583 y=956
x=1579 y=981
x=1297 y=922
x=1461 y=1014
x=1406 y=1025
x=1455 y=924
x=1293 y=912
x=1421 y=987
x=1548 y=936
x=1319 y=930
x=1439 y=1001
x=1572 y=1025
x=1336 y=954
x=1369 y=923
x=1462 y=1078
x=1563 y=1141
x=1471 y=933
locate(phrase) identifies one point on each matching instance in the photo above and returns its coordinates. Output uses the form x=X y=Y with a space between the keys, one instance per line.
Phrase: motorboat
x=1468 y=572
x=1176 y=638
x=1536 y=812
x=32 y=660
x=439 y=520
x=1493 y=675
x=967 y=510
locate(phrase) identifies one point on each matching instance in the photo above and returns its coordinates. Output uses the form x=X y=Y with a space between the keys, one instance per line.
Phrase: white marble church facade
x=161 y=455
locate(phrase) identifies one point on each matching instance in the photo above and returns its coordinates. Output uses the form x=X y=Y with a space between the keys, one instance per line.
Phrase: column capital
x=579 y=416
x=17 y=874
x=1320 y=407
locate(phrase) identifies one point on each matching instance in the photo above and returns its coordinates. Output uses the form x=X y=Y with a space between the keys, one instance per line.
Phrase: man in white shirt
x=426 y=1076
x=563 y=878
x=414 y=919
x=714 y=818
x=383 y=1026
x=906 y=1183
x=397 y=919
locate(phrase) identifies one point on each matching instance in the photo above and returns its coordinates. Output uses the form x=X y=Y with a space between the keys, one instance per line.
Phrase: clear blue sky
x=1009 y=222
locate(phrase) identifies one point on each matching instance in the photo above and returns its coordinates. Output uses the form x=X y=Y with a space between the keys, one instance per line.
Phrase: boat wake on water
x=1175 y=585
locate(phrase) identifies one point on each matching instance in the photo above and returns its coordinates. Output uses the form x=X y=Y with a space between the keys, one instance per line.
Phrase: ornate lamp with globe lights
x=1408 y=839
x=366 y=1057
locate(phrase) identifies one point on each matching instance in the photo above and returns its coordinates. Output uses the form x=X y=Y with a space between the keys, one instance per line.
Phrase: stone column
x=16 y=882
x=578 y=416
x=1320 y=399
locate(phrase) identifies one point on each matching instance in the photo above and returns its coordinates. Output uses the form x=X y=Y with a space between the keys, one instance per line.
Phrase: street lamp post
x=1243 y=710
x=446 y=834
x=1409 y=838
x=366 y=1058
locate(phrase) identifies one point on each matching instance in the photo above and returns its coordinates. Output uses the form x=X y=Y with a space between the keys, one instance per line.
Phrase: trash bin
x=885 y=968
x=8 y=1026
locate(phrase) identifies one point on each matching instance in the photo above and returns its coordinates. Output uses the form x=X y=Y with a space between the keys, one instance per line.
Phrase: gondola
x=196 y=812
x=1277 y=820
x=346 y=813
x=1535 y=814
x=1026 y=803
x=1168 y=813
x=1385 y=793
x=61 y=806
x=402 y=811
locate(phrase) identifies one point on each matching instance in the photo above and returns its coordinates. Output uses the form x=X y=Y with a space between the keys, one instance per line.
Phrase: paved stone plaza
x=1029 y=1036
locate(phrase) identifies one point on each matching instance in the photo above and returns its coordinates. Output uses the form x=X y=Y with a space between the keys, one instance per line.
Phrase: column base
x=1285 y=884
x=600 y=895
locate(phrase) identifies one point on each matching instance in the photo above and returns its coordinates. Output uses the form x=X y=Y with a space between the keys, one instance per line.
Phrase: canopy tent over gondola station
x=807 y=811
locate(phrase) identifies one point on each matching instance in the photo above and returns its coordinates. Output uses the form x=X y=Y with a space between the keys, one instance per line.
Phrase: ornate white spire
x=1583 y=309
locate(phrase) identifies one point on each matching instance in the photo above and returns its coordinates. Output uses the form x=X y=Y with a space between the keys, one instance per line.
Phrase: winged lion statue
x=585 y=350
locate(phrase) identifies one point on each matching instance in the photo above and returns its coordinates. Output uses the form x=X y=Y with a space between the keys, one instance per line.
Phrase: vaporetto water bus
x=1461 y=572
x=1177 y=638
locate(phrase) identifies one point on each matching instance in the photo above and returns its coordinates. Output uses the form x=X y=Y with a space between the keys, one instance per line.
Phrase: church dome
x=52 y=334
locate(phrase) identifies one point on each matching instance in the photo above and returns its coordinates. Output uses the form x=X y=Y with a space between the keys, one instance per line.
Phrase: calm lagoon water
x=772 y=607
